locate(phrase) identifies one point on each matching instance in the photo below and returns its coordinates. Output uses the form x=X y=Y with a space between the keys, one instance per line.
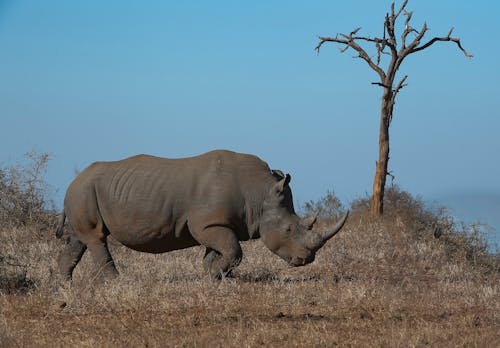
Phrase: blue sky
x=103 y=80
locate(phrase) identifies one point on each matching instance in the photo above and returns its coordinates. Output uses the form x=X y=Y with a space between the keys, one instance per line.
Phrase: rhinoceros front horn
x=323 y=235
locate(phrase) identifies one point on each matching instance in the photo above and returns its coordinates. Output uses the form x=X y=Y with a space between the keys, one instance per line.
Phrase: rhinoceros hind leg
x=210 y=256
x=94 y=236
x=223 y=250
x=70 y=256
x=103 y=261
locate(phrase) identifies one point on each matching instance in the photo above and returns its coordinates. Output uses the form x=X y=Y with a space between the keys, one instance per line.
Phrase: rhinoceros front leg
x=223 y=250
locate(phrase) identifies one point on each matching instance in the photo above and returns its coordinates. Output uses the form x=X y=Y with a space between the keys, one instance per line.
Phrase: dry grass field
x=408 y=280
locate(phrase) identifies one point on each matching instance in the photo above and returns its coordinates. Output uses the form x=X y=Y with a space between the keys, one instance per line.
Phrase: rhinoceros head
x=295 y=240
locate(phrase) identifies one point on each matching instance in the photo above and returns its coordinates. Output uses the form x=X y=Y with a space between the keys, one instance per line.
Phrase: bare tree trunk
x=377 y=205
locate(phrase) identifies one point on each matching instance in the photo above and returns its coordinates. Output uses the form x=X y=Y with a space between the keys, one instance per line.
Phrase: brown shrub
x=410 y=217
x=23 y=193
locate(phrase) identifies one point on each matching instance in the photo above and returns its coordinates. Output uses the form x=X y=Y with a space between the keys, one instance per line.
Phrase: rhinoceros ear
x=285 y=181
x=279 y=187
x=278 y=174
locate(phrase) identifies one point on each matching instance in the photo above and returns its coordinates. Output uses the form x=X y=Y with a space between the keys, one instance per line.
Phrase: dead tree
x=396 y=51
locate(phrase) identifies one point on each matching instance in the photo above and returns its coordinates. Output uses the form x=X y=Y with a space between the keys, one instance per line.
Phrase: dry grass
x=387 y=283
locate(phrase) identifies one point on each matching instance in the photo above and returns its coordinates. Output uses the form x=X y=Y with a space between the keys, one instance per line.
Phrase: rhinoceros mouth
x=299 y=261
x=296 y=262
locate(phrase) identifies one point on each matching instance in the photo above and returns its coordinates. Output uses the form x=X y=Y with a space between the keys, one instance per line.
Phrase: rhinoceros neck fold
x=255 y=187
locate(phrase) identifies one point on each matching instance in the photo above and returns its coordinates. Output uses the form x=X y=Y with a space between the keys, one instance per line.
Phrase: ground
x=386 y=283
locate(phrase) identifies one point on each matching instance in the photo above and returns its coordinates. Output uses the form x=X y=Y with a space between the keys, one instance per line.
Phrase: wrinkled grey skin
x=157 y=205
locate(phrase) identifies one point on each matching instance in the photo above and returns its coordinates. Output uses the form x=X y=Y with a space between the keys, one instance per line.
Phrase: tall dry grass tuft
x=24 y=191
x=413 y=278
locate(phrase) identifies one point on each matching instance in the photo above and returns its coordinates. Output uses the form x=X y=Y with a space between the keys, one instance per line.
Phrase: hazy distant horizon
x=471 y=206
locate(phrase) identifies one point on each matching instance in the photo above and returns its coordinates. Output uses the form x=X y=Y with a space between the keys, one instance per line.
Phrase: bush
x=23 y=193
x=327 y=207
x=13 y=275
x=409 y=215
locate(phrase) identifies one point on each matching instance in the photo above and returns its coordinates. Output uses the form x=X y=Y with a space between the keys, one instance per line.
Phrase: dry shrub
x=24 y=191
x=327 y=207
x=409 y=216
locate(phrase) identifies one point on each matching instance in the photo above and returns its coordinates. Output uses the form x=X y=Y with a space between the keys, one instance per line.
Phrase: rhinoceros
x=156 y=205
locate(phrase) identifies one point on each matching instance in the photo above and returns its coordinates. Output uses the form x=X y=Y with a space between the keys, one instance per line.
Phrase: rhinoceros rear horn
x=309 y=221
x=328 y=232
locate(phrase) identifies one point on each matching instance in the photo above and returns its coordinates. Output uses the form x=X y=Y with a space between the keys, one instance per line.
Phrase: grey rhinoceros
x=157 y=205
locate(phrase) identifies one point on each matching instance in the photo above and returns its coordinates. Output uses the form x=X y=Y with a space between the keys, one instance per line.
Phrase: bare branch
x=350 y=36
x=350 y=42
x=381 y=84
x=385 y=26
x=408 y=29
x=447 y=38
x=400 y=85
x=390 y=23
x=393 y=177
x=395 y=92
x=380 y=45
x=364 y=55
x=371 y=39
x=404 y=51
x=379 y=51
x=389 y=28
x=324 y=39
x=400 y=10
x=354 y=32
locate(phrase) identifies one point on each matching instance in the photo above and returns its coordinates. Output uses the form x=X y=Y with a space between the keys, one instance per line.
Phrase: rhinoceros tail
x=60 y=225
